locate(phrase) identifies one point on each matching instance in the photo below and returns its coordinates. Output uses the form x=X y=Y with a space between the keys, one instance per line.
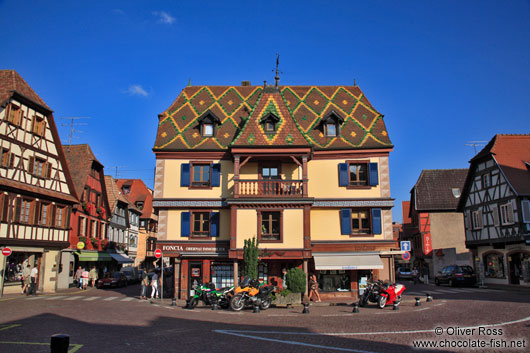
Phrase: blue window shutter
x=185 y=174
x=374 y=174
x=376 y=221
x=214 y=224
x=185 y=224
x=345 y=221
x=216 y=174
x=343 y=174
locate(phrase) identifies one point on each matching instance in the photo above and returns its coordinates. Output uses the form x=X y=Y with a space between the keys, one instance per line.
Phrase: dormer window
x=126 y=189
x=207 y=124
x=269 y=123
x=331 y=123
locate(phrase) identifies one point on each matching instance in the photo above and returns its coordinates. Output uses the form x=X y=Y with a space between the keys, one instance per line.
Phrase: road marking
x=33 y=298
x=128 y=299
x=446 y=291
x=55 y=298
x=73 y=347
x=462 y=290
x=90 y=299
x=281 y=315
x=422 y=309
x=110 y=298
x=8 y=327
x=334 y=315
x=75 y=297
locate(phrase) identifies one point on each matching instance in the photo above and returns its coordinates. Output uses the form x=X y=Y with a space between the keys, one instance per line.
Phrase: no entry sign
x=6 y=251
x=158 y=253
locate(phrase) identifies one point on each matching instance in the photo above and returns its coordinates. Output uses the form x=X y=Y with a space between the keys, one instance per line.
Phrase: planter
x=289 y=299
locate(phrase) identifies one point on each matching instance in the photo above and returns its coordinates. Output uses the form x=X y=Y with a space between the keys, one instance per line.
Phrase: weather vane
x=277 y=78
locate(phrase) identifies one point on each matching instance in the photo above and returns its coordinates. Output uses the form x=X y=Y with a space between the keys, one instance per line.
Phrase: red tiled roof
x=11 y=81
x=114 y=194
x=434 y=189
x=79 y=159
x=511 y=152
x=139 y=192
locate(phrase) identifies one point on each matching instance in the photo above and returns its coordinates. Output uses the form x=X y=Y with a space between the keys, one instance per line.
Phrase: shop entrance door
x=195 y=276
x=514 y=262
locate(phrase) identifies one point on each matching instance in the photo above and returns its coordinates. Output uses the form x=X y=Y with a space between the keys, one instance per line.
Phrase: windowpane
x=331 y=130
x=201 y=175
x=360 y=222
x=358 y=174
x=207 y=130
x=201 y=224
x=270 y=225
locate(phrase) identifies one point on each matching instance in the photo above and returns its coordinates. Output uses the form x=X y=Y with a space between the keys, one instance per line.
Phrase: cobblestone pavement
x=117 y=321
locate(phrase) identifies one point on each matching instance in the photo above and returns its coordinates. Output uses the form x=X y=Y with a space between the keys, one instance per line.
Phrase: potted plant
x=296 y=285
x=83 y=239
x=104 y=244
x=100 y=211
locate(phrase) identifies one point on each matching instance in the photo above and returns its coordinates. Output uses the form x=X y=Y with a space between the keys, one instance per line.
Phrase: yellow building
x=304 y=169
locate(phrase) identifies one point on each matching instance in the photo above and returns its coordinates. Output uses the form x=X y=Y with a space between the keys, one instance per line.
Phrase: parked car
x=131 y=273
x=116 y=279
x=403 y=273
x=455 y=275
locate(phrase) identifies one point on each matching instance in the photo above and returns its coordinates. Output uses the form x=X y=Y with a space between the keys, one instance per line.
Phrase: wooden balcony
x=270 y=188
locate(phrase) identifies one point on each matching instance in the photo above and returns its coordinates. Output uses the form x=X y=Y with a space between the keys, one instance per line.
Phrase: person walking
x=284 y=278
x=154 y=285
x=26 y=277
x=93 y=275
x=33 y=275
x=313 y=287
x=84 y=278
x=145 y=284
x=78 y=277
x=415 y=275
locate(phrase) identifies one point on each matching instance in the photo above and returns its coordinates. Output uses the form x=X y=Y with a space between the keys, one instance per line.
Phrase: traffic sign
x=158 y=253
x=405 y=245
x=406 y=256
x=6 y=251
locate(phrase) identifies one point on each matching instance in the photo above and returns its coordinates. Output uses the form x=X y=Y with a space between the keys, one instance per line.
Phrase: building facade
x=438 y=236
x=302 y=169
x=36 y=189
x=496 y=206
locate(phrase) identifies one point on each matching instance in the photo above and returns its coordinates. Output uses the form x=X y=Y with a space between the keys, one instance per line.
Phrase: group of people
x=29 y=280
x=146 y=283
x=83 y=277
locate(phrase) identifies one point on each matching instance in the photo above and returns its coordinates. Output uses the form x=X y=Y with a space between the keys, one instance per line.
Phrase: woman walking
x=313 y=285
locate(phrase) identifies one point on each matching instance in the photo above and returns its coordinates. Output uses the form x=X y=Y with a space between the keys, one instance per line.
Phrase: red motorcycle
x=390 y=293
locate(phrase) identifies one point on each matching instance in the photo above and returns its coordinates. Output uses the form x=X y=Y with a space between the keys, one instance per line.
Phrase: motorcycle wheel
x=193 y=303
x=265 y=304
x=381 y=302
x=237 y=303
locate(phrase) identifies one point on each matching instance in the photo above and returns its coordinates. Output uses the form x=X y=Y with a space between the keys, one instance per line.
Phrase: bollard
x=255 y=309
x=417 y=301
x=429 y=297
x=356 y=307
x=395 y=306
x=214 y=306
x=60 y=343
x=173 y=302
x=306 y=308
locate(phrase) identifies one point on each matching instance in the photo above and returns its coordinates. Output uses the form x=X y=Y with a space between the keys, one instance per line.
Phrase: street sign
x=405 y=245
x=6 y=251
x=406 y=256
x=158 y=253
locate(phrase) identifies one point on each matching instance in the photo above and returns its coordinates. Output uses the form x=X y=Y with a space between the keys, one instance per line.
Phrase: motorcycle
x=251 y=292
x=209 y=295
x=370 y=294
x=390 y=293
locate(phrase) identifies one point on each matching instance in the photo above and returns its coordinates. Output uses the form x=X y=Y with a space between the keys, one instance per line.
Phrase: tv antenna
x=117 y=167
x=475 y=144
x=72 y=125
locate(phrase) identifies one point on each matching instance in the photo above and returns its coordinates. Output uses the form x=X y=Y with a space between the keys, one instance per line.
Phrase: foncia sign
x=194 y=248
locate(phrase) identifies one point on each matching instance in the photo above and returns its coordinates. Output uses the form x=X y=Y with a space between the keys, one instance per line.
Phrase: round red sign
x=406 y=255
x=158 y=253
x=6 y=251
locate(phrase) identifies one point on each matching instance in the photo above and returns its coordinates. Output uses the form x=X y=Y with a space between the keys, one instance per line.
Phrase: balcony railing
x=269 y=188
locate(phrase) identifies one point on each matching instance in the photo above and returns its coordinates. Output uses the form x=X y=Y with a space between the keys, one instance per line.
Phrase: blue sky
x=442 y=72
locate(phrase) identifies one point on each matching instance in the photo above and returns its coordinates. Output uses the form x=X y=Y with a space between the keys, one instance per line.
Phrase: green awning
x=85 y=255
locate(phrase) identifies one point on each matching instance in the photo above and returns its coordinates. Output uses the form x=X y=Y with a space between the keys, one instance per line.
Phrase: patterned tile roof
x=11 y=81
x=300 y=109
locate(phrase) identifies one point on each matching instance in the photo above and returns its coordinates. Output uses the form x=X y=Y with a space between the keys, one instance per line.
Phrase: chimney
x=245 y=83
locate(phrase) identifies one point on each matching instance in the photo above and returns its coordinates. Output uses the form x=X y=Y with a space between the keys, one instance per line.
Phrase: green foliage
x=285 y=292
x=250 y=257
x=296 y=280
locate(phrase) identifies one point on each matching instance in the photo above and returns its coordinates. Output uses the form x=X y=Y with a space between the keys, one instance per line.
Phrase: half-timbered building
x=36 y=190
x=304 y=169
x=496 y=206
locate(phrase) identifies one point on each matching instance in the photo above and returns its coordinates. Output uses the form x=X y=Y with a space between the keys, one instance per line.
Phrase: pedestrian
x=33 y=275
x=145 y=284
x=84 y=278
x=284 y=278
x=78 y=278
x=415 y=274
x=93 y=275
x=313 y=285
x=26 y=278
x=154 y=285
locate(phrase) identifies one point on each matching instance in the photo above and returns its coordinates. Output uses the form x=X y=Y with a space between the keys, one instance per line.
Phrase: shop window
x=270 y=226
x=16 y=262
x=334 y=281
x=263 y=272
x=222 y=275
x=38 y=126
x=358 y=174
x=494 y=265
x=506 y=214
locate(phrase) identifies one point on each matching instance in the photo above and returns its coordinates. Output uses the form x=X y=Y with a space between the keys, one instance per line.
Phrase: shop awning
x=85 y=255
x=121 y=258
x=347 y=261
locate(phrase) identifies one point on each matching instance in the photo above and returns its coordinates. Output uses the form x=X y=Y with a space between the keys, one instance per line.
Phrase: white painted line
x=463 y=290
x=435 y=292
x=128 y=299
x=110 y=298
x=75 y=297
x=338 y=315
x=33 y=298
x=281 y=315
x=56 y=297
x=446 y=291
x=90 y=299
x=422 y=309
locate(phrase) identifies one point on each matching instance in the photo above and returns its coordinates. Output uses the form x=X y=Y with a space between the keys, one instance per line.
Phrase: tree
x=296 y=280
x=250 y=257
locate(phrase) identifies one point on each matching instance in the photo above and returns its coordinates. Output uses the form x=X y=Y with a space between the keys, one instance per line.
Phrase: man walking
x=77 y=277
x=145 y=284
x=26 y=272
x=33 y=274
x=154 y=285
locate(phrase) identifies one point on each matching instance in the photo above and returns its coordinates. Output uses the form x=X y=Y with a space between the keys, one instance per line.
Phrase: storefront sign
x=425 y=228
x=192 y=248
x=6 y=251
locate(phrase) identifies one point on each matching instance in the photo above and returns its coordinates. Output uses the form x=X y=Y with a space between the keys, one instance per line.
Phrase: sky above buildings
x=442 y=72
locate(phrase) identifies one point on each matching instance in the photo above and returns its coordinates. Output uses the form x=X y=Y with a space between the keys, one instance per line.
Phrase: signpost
x=6 y=252
x=405 y=245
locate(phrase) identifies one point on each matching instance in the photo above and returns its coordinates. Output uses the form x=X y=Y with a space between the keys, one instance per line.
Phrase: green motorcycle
x=209 y=295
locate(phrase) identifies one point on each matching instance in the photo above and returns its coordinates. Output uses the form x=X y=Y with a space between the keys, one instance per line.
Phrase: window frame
x=195 y=234
x=505 y=217
x=476 y=220
x=47 y=208
x=486 y=180
x=38 y=125
x=60 y=221
x=369 y=218
x=17 y=117
x=367 y=166
x=30 y=212
x=192 y=174
x=260 y=221
x=9 y=158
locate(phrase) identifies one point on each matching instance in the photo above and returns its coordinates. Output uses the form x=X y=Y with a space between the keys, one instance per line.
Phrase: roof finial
x=189 y=82
x=354 y=82
x=277 y=78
